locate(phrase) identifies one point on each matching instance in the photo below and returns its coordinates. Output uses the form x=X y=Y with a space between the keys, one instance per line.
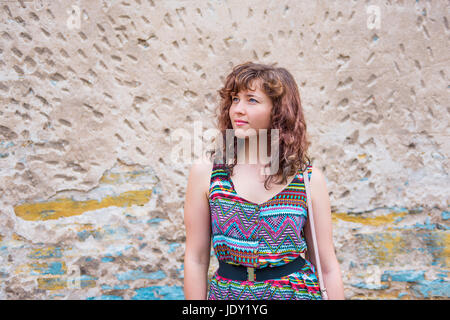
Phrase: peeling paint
x=106 y=297
x=46 y=253
x=371 y=221
x=138 y=274
x=67 y=207
x=159 y=293
x=433 y=288
x=52 y=268
x=403 y=275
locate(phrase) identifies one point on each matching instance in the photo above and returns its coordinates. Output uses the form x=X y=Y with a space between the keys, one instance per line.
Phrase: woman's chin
x=244 y=133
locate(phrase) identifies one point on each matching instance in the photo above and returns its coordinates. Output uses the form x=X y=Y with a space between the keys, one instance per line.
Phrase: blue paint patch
x=159 y=293
x=143 y=245
x=116 y=287
x=4 y=155
x=402 y=294
x=54 y=268
x=445 y=215
x=108 y=259
x=399 y=209
x=403 y=275
x=138 y=274
x=427 y=225
x=437 y=155
x=435 y=246
x=433 y=288
x=4 y=274
x=86 y=277
x=155 y=220
x=172 y=247
x=375 y=38
x=370 y=286
x=83 y=235
x=363 y=179
x=118 y=233
x=121 y=287
x=180 y=271
x=113 y=250
x=83 y=281
x=7 y=144
x=419 y=226
x=106 y=297
x=399 y=219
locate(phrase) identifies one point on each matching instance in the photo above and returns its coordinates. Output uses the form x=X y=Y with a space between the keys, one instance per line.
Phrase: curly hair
x=286 y=116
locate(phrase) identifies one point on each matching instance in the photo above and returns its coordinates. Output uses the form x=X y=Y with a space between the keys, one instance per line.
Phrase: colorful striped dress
x=260 y=236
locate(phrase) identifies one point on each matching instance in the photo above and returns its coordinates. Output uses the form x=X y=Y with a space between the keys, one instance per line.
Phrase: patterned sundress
x=260 y=236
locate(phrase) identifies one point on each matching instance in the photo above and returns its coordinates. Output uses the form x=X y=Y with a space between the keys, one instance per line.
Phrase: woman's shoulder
x=202 y=167
x=201 y=172
x=316 y=171
x=318 y=183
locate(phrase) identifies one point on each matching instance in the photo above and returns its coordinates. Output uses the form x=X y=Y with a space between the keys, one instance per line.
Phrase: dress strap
x=218 y=172
x=309 y=170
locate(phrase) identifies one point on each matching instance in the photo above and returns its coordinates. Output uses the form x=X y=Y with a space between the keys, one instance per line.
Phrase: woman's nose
x=240 y=107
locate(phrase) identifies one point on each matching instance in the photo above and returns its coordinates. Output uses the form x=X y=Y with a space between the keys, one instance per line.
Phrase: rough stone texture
x=93 y=92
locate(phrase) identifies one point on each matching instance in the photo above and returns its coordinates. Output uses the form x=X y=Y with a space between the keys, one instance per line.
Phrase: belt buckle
x=250 y=274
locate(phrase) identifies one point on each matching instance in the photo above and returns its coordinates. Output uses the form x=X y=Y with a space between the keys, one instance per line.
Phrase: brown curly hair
x=287 y=116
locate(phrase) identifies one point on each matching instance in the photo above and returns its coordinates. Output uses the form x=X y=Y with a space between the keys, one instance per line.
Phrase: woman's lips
x=240 y=123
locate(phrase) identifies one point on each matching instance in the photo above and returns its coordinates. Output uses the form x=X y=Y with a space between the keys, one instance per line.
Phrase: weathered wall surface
x=91 y=92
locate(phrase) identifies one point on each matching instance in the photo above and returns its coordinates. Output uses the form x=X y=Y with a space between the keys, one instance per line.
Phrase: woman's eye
x=233 y=99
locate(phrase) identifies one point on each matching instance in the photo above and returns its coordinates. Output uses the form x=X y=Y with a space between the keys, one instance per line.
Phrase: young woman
x=259 y=232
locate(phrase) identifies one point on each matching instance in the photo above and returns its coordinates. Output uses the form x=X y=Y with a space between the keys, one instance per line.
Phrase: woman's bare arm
x=322 y=220
x=198 y=232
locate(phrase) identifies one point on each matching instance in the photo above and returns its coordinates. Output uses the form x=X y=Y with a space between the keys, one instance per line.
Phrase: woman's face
x=254 y=108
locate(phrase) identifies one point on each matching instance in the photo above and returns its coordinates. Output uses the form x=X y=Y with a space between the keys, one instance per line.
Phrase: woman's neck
x=251 y=151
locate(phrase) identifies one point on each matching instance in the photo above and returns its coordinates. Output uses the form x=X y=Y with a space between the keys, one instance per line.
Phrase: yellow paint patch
x=50 y=252
x=66 y=207
x=17 y=237
x=85 y=227
x=362 y=156
x=446 y=251
x=40 y=268
x=391 y=246
x=23 y=268
x=51 y=283
x=372 y=221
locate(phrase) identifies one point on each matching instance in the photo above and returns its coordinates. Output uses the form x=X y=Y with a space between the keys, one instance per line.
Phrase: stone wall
x=92 y=94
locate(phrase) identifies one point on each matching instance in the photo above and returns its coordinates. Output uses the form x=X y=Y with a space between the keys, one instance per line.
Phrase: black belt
x=242 y=273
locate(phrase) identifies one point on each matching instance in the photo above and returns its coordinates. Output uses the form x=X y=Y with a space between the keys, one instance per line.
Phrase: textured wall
x=93 y=94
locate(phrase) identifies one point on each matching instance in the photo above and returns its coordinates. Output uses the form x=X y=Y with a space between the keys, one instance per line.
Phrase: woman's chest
x=250 y=186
